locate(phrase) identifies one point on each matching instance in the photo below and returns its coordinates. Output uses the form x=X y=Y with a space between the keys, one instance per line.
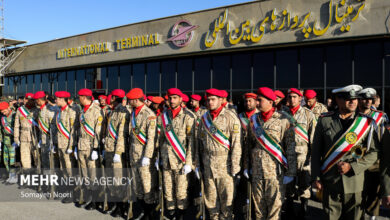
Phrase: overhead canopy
x=10 y=42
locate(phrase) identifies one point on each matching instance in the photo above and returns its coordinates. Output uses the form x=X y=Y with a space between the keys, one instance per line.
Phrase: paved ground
x=13 y=206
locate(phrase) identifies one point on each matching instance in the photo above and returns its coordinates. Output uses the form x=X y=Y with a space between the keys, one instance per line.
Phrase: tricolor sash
x=355 y=133
x=26 y=114
x=112 y=131
x=87 y=128
x=140 y=135
x=214 y=132
x=377 y=117
x=244 y=120
x=173 y=140
x=267 y=142
x=298 y=129
x=61 y=127
x=44 y=127
x=6 y=125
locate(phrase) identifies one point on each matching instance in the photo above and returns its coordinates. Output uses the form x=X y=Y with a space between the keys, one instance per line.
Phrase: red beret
x=267 y=93
x=39 y=94
x=135 y=93
x=196 y=97
x=3 y=105
x=29 y=95
x=149 y=97
x=102 y=97
x=214 y=92
x=108 y=100
x=157 y=99
x=85 y=92
x=250 y=95
x=62 y=94
x=294 y=90
x=279 y=94
x=309 y=94
x=118 y=93
x=185 y=97
x=174 y=91
x=224 y=94
x=144 y=97
x=166 y=97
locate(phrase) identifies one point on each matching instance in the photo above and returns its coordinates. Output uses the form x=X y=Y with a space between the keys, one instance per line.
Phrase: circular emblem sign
x=182 y=33
x=351 y=138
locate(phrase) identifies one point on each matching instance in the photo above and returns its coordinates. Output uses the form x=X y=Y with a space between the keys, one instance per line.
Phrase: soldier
x=6 y=138
x=311 y=103
x=220 y=147
x=117 y=134
x=148 y=100
x=46 y=121
x=102 y=101
x=342 y=151
x=176 y=146
x=278 y=102
x=65 y=121
x=271 y=157
x=25 y=131
x=371 y=191
x=250 y=109
x=385 y=169
x=195 y=103
x=90 y=121
x=225 y=103
x=142 y=129
x=304 y=123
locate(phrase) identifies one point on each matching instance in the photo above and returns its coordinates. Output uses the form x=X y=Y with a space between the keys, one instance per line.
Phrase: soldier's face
x=40 y=102
x=365 y=103
x=5 y=111
x=347 y=105
x=294 y=99
x=278 y=99
x=102 y=102
x=25 y=101
x=194 y=103
x=214 y=102
x=310 y=102
x=264 y=104
x=174 y=101
x=60 y=102
x=250 y=104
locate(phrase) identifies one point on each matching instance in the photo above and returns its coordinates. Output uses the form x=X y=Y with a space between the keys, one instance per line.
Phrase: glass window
x=45 y=82
x=221 y=72
x=37 y=82
x=62 y=81
x=286 y=68
x=168 y=75
x=30 y=83
x=241 y=66
x=11 y=86
x=125 y=74
x=90 y=76
x=339 y=65
x=202 y=73
x=312 y=67
x=368 y=64
x=387 y=71
x=71 y=82
x=103 y=77
x=139 y=76
x=113 y=77
x=152 y=77
x=53 y=83
x=184 y=74
x=5 y=87
x=80 y=79
x=263 y=70
x=22 y=86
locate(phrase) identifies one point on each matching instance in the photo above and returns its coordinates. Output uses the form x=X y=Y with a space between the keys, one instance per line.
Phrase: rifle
x=37 y=155
x=51 y=161
x=202 y=209
x=104 y=191
x=161 y=193
x=129 y=190
x=249 y=200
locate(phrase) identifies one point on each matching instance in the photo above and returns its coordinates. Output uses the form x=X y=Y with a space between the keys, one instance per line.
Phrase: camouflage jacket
x=24 y=131
x=46 y=118
x=119 y=119
x=5 y=137
x=318 y=109
x=90 y=124
x=67 y=117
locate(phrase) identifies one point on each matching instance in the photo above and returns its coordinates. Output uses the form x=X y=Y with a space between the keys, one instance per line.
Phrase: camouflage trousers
x=301 y=186
x=268 y=197
x=88 y=166
x=219 y=193
x=9 y=157
x=65 y=161
x=45 y=156
x=175 y=189
x=113 y=170
x=26 y=150
x=144 y=183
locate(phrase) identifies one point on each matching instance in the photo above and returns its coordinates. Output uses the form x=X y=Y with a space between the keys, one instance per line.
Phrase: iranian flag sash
x=61 y=127
x=377 y=117
x=112 y=131
x=244 y=120
x=6 y=126
x=173 y=140
x=140 y=135
x=42 y=125
x=26 y=114
x=298 y=129
x=354 y=134
x=87 y=128
x=214 y=132
x=267 y=142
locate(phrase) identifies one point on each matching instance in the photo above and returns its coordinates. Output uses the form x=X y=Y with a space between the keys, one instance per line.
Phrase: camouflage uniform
x=46 y=118
x=175 y=181
x=220 y=164
x=25 y=133
x=267 y=172
x=6 y=138
x=87 y=143
x=119 y=118
x=144 y=177
x=68 y=118
x=318 y=109
x=306 y=119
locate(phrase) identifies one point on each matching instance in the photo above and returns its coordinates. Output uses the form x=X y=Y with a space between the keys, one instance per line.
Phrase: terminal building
x=308 y=44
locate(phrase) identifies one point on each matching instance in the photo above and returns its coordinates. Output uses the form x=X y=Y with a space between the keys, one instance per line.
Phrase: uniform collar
x=265 y=116
x=294 y=110
x=175 y=111
x=63 y=108
x=216 y=112
x=137 y=109
x=250 y=113
x=42 y=106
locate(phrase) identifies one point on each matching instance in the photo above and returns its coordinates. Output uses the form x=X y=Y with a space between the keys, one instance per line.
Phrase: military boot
x=303 y=209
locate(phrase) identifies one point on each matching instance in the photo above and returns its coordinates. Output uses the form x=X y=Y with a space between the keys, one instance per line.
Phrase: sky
x=42 y=20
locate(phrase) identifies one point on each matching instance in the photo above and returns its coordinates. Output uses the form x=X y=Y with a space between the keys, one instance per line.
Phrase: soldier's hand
x=246 y=174
x=69 y=151
x=117 y=158
x=156 y=164
x=197 y=173
x=187 y=169
x=75 y=153
x=0 y=146
x=94 y=155
x=343 y=167
x=386 y=201
x=145 y=161
x=317 y=185
x=39 y=144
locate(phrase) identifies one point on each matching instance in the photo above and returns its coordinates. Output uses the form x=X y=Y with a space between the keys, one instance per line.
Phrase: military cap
x=367 y=93
x=348 y=92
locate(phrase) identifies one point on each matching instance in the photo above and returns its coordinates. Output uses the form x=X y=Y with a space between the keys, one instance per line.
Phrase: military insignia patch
x=235 y=128
x=351 y=137
x=169 y=127
x=213 y=129
x=100 y=118
x=152 y=123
